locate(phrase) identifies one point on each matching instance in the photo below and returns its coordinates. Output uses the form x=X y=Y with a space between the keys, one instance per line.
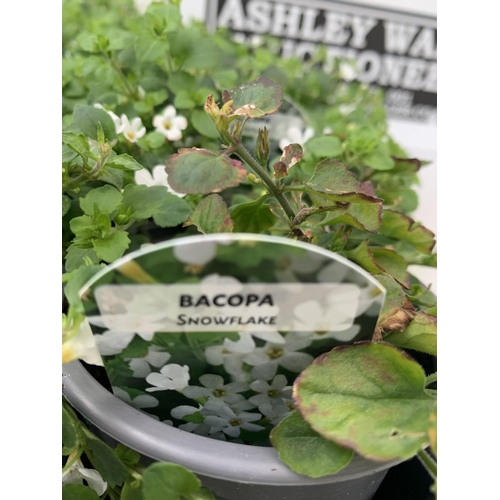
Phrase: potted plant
x=346 y=189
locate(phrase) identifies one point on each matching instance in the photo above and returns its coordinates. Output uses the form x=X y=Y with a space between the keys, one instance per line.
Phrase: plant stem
x=128 y=88
x=430 y=379
x=254 y=165
x=72 y=459
x=194 y=348
x=428 y=462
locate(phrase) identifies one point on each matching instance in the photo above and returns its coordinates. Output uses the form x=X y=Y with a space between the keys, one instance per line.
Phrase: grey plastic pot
x=231 y=471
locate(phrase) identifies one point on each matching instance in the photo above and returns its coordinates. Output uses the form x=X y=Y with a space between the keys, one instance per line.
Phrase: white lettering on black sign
x=393 y=50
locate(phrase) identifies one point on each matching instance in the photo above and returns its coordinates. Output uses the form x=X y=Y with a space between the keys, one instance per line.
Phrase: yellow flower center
x=275 y=352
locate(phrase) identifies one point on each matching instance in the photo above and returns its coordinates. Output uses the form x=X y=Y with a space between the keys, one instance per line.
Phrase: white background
x=468 y=182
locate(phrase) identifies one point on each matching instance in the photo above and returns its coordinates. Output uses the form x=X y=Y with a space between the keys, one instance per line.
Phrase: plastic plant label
x=203 y=307
x=208 y=333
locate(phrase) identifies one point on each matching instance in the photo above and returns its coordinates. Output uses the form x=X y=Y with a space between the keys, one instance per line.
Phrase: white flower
x=337 y=315
x=157 y=177
x=142 y=366
x=290 y=267
x=345 y=109
x=271 y=394
x=169 y=124
x=231 y=423
x=132 y=131
x=111 y=342
x=77 y=473
x=334 y=272
x=197 y=255
x=116 y=119
x=327 y=131
x=171 y=377
x=81 y=345
x=199 y=428
x=142 y=5
x=295 y=135
x=145 y=325
x=267 y=359
x=347 y=71
x=344 y=335
x=214 y=387
x=276 y=413
x=230 y=354
x=141 y=401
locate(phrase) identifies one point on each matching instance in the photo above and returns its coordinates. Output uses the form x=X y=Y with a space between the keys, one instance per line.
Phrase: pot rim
x=154 y=439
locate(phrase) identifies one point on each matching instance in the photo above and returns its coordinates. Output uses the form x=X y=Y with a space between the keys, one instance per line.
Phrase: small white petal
x=296 y=361
x=94 y=480
x=143 y=177
x=145 y=401
x=173 y=134
x=180 y=122
x=180 y=412
x=211 y=381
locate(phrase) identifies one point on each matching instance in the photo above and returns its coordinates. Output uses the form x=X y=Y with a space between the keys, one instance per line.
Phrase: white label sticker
x=229 y=307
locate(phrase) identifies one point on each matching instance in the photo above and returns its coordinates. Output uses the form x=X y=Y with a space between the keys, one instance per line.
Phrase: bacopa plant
x=160 y=135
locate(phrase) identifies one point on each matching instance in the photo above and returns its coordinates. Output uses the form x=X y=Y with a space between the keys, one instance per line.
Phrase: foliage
x=139 y=154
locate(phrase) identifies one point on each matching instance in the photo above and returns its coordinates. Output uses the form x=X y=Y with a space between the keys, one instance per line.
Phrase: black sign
x=393 y=50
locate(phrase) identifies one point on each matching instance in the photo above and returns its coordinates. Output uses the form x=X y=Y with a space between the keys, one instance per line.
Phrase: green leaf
x=77 y=143
x=69 y=430
x=392 y=263
x=172 y=212
x=66 y=204
x=78 y=492
x=127 y=455
x=107 y=199
x=321 y=147
x=168 y=481
x=83 y=226
x=68 y=155
x=379 y=159
x=401 y=227
x=183 y=100
x=110 y=468
x=144 y=201
x=202 y=123
x=112 y=247
x=332 y=180
x=305 y=451
x=124 y=162
x=76 y=257
x=252 y=217
x=369 y=397
x=203 y=494
x=420 y=335
x=181 y=81
x=225 y=78
x=257 y=98
x=155 y=140
x=112 y=176
x=364 y=216
x=86 y=119
x=148 y=48
x=200 y=171
x=76 y=280
x=204 y=55
x=211 y=216
x=161 y=13
x=379 y=260
x=397 y=311
x=132 y=491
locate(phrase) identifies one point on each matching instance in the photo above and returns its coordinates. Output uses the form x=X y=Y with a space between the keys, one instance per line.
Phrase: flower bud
x=262 y=146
